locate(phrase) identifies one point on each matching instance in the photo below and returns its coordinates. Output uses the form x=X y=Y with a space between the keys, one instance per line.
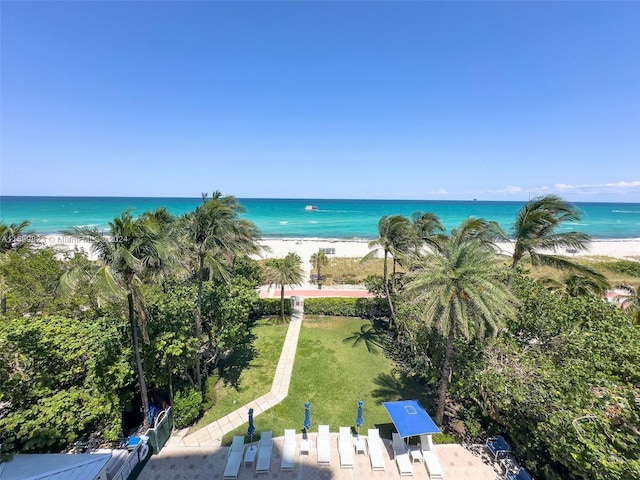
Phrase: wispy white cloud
x=586 y=188
x=508 y=190
x=609 y=187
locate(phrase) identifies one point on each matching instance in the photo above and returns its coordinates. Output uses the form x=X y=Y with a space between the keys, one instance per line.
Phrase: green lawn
x=333 y=373
x=248 y=374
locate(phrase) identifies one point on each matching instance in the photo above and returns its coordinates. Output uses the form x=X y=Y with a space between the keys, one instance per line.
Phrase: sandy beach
x=305 y=248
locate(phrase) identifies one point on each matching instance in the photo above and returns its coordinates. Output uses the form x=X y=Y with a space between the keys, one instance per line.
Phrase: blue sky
x=415 y=100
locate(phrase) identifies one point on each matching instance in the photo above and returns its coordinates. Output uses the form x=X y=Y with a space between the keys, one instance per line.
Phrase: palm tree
x=426 y=225
x=535 y=230
x=577 y=285
x=132 y=248
x=461 y=292
x=395 y=240
x=319 y=260
x=216 y=235
x=12 y=239
x=284 y=271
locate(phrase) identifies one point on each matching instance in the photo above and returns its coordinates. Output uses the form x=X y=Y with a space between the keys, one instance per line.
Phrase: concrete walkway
x=211 y=435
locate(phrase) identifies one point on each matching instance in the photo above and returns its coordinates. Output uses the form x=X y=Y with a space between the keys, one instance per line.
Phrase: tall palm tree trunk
x=514 y=265
x=443 y=390
x=282 y=302
x=170 y=383
x=386 y=290
x=136 y=351
x=198 y=319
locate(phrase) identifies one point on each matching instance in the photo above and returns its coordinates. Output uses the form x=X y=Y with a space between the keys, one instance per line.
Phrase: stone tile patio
x=194 y=463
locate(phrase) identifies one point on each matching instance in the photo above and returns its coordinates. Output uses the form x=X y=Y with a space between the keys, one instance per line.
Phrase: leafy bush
x=624 y=267
x=266 y=307
x=336 y=306
x=186 y=405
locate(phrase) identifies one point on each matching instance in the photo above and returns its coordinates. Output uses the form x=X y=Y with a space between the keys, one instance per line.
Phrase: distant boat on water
x=311 y=208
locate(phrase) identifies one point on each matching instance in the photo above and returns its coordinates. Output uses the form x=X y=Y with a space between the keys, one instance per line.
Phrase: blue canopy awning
x=410 y=418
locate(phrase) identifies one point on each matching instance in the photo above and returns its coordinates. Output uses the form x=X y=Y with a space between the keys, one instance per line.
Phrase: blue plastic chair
x=498 y=446
x=521 y=475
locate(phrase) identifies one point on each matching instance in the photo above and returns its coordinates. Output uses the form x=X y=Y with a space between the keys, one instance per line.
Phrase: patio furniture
x=401 y=456
x=430 y=459
x=237 y=444
x=265 y=446
x=323 y=444
x=375 y=452
x=498 y=446
x=415 y=454
x=305 y=446
x=344 y=448
x=288 y=450
x=509 y=465
x=234 y=458
x=250 y=455
x=521 y=475
x=360 y=446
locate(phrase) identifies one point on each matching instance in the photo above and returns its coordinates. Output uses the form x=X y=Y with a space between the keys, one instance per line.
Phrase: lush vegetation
x=87 y=346
x=169 y=311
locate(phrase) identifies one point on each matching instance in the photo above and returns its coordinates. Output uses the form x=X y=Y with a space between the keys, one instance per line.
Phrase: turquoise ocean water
x=280 y=218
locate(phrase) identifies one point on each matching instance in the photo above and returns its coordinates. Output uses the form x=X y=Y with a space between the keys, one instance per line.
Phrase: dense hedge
x=266 y=307
x=338 y=306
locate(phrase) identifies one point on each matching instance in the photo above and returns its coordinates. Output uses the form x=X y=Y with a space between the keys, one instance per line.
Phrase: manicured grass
x=248 y=373
x=332 y=374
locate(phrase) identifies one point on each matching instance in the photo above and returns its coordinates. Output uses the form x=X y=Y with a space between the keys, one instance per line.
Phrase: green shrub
x=624 y=267
x=267 y=307
x=186 y=406
x=336 y=306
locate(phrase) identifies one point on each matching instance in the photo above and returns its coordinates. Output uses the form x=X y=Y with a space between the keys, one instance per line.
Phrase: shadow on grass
x=232 y=367
x=371 y=335
x=400 y=387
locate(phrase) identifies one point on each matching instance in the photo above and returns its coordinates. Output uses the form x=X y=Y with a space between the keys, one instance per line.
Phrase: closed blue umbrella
x=307 y=416
x=359 y=420
x=251 y=430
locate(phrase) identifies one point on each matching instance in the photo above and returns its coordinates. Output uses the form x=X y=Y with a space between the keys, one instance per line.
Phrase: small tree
x=284 y=271
x=319 y=260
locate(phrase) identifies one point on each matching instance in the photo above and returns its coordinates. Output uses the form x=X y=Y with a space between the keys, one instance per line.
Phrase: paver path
x=211 y=435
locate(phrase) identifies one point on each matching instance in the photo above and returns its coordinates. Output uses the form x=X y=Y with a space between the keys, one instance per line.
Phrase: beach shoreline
x=624 y=248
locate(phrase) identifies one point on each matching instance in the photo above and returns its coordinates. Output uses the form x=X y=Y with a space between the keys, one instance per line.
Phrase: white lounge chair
x=237 y=444
x=430 y=458
x=265 y=446
x=401 y=456
x=375 y=452
x=323 y=444
x=234 y=458
x=288 y=450
x=345 y=448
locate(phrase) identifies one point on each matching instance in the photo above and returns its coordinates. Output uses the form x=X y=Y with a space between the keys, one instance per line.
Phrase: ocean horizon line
x=337 y=199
